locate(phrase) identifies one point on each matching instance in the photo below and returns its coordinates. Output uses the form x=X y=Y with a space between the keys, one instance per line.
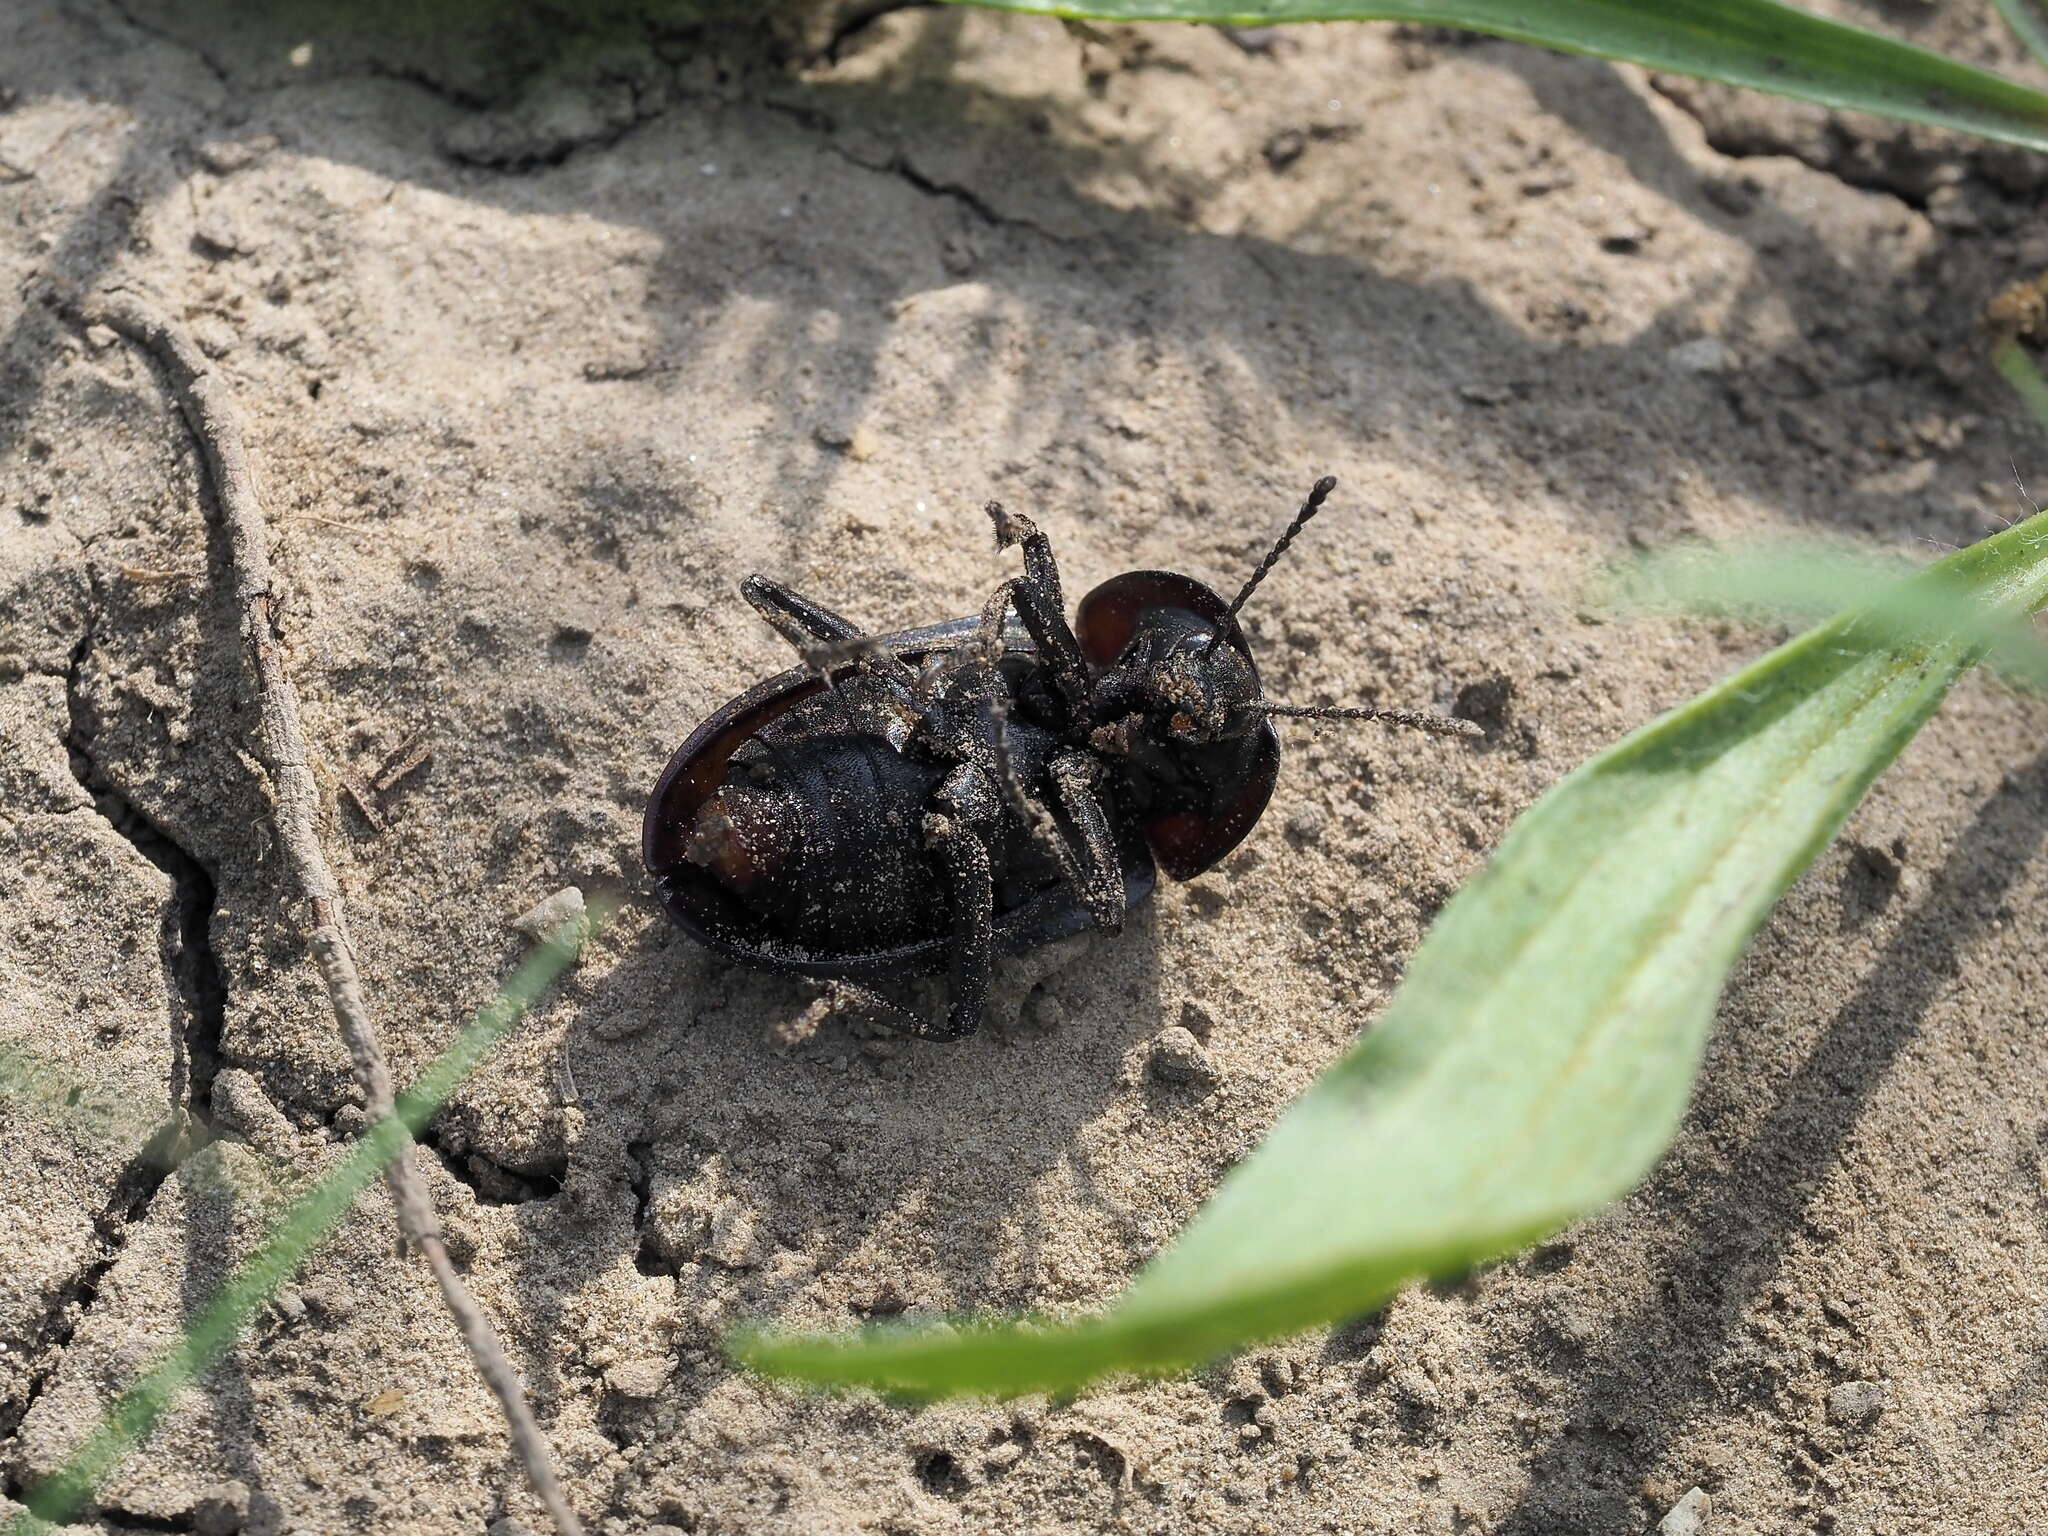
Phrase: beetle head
x=1169 y=711
x=1152 y=637
x=1176 y=704
x=1194 y=691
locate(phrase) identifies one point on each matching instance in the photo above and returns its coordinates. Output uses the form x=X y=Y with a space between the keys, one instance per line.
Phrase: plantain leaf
x=1756 y=43
x=1536 y=1061
x=1779 y=580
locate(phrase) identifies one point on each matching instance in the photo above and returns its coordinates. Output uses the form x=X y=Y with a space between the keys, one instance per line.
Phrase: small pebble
x=1255 y=40
x=224 y=157
x=1178 y=1057
x=1285 y=147
x=1885 y=864
x=1196 y=1019
x=1703 y=354
x=857 y=443
x=241 y=1106
x=329 y=1303
x=1855 y=1403
x=1688 y=1517
x=639 y=1379
x=1305 y=823
x=548 y=915
x=1626 y=239
x=216 y=338
x=460 y=1239
x=734 y=1242
x=1043 y=1012
x=1413 y=1386
x=1003 y=1456
x=220 y=238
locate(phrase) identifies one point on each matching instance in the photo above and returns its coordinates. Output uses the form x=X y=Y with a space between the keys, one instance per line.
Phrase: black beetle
x=928 y=798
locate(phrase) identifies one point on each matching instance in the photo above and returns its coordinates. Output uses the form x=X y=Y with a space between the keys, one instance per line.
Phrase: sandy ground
x=544 y=340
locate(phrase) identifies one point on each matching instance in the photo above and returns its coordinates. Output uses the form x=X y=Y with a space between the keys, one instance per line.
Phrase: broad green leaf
x=1781 y=579
x=1756 y=43
x=1536 y=1061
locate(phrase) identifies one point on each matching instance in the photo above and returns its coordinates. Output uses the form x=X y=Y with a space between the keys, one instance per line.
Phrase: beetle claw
x=1011 y=527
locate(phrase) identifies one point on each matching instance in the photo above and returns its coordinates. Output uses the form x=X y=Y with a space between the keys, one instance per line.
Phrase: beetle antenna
x=1436 y=725
x=1317 y=495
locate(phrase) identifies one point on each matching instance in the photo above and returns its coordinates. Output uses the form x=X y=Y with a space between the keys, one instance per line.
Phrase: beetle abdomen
x=821 y=838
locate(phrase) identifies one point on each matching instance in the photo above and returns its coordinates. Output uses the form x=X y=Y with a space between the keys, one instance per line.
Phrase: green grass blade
x=1755 y=43
x=2029 y=19
x=295 y=1235
x=2011 y=360
x=1536 y=1061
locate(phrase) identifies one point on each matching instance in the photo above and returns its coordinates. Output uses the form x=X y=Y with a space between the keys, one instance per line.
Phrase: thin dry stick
x=210 y=413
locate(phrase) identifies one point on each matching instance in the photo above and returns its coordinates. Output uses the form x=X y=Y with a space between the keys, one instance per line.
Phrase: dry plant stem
x=211 y=416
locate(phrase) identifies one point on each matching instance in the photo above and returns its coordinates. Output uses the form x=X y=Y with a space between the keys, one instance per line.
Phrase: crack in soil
x=111 y=1517
x=647 y=1256
x=198 y=995
x=136 y=1184
x=1894 y=165
x=419 y=79
x=198 y=989
x=489 y=1180
x=648 y=107
x=899 y=166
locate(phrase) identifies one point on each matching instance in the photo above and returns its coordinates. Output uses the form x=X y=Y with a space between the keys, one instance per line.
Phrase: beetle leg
x=966 y=795
x=983 y=646
x=1043 y=608
x=824 y=639
x=971 y=668
x=1101 y=887
x=1039 y=823
x=916 y=714
x=803 y=623
x=972 y=892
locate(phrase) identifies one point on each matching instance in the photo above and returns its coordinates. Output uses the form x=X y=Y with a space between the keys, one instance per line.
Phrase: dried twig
x=362 y=797
x=406 y=759
x=210 y=414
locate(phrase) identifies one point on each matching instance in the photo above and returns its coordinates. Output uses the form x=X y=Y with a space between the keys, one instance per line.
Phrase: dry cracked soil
x=548 y=325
